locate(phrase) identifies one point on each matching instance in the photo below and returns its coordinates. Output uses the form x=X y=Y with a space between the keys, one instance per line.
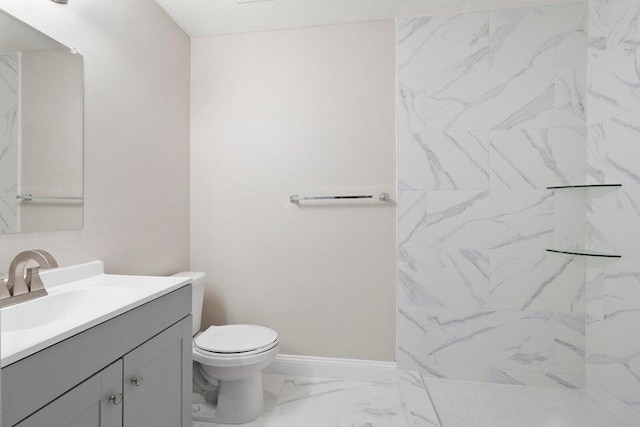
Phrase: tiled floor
x=420 y=412
x=324 y=402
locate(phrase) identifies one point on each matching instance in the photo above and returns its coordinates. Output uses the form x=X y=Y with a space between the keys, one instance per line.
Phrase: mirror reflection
x=41 y=131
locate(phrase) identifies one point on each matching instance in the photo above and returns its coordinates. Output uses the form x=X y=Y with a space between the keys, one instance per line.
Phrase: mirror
x=41 y=131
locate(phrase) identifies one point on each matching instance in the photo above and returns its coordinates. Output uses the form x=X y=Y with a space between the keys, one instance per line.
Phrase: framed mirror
x=41 y=131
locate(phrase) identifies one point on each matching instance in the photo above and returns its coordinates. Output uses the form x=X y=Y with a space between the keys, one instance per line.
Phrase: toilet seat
x=235 y=341
x=213 y=354
x=208 y=358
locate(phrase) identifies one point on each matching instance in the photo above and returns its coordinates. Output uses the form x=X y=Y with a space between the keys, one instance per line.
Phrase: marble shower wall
x=613 y=287
x=9 y=135
x=491 y=111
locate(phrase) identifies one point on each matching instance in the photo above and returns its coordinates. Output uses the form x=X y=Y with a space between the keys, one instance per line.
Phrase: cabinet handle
x=137 y=381
x=116 y=399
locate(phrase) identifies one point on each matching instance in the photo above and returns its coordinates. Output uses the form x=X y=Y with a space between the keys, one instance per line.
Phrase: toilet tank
x=197 y=296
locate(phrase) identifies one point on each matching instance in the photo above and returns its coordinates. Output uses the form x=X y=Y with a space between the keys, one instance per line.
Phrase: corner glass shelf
x=584 y=186
x=582 y=252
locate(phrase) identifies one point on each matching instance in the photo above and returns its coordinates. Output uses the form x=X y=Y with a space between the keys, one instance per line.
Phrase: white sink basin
x=58 y=307
x=80 y=297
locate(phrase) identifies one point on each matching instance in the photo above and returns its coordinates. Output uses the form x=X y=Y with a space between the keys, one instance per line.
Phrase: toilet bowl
x=228 y=363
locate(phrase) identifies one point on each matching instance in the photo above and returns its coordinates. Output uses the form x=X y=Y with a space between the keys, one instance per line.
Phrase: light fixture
x=60 y=1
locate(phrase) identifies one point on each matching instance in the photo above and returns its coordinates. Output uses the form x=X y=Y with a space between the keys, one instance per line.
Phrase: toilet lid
x=235 y=338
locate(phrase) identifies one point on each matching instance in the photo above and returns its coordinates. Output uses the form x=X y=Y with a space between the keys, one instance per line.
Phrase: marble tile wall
x=491 y=111
x=613 y=215
x=9 y=134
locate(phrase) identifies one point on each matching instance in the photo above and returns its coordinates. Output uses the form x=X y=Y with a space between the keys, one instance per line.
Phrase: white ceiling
x=215 y=17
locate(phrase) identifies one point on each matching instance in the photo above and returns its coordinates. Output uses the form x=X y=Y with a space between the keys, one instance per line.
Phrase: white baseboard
x=326 y=367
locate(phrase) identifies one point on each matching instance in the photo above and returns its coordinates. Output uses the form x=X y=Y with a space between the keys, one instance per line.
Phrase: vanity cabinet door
x=90 y=404
x=157 y=380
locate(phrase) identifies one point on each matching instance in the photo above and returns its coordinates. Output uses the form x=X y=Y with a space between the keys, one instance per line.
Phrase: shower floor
x=471 y=404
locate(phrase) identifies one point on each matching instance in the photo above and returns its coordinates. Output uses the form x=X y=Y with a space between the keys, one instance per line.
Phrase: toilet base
x=238 y=402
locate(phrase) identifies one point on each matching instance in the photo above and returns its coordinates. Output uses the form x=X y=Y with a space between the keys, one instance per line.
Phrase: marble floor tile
x=417 y=401
x=324 y=402
x=350 y=403
x=272 y=384
x=276 y=420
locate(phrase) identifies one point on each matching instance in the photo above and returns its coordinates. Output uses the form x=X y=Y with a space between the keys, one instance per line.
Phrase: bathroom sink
x=57 y=307
x=79 y=298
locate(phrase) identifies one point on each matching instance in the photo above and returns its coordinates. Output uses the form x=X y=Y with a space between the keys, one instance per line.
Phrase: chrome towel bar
x=383 y=197
x=30 y=197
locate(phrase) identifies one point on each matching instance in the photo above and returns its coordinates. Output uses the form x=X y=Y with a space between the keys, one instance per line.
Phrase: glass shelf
x=584 y=186
x=582 y=252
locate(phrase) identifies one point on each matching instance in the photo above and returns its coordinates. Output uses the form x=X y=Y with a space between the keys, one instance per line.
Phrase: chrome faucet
x=19 y=288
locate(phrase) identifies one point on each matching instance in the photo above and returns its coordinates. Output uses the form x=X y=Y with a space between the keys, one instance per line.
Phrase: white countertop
x=80 y=297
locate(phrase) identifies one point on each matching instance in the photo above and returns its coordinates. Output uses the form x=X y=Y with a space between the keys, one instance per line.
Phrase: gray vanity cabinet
x=131 y=371
x=143 y=389
x=87 y=405
x=153 y=381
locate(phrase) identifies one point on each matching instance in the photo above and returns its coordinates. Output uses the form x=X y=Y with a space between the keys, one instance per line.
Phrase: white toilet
x=228 y=361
